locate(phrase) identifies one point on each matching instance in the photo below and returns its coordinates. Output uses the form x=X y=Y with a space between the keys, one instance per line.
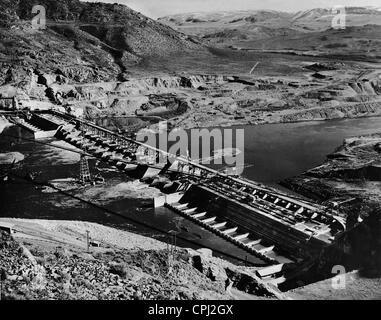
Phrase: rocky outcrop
x=64 y=274
x=128 y=106
x=167 y=82
x=352 y=173
x=342 y=111
x=164 y=105
x=223 y=273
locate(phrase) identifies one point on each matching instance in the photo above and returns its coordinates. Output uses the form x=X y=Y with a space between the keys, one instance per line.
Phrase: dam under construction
x=288 y=233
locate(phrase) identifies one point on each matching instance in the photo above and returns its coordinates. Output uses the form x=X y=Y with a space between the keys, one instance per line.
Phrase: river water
x=280 y=151
x=277 y=151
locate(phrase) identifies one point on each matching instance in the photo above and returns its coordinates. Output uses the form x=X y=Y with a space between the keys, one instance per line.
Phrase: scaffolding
x=84 y=176
x=84 y=171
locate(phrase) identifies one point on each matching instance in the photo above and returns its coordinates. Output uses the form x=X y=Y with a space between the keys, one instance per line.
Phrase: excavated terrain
x=105 y=60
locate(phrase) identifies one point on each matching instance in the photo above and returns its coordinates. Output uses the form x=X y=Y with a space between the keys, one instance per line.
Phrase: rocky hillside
x=47 y=260
x=83 y=42
x=65 y=275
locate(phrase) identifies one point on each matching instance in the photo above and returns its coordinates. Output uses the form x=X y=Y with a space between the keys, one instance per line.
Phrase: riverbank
x=324 y=113
x=350 y=175
x=349 y=182
x=49 y=260
x=283 y=89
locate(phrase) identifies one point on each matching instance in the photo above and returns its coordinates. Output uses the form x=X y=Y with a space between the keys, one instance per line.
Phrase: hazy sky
x=158 y=8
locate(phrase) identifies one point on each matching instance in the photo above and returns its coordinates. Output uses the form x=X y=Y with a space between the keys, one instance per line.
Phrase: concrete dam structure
x=282 y=230
x=37 y=125
x=271 y=227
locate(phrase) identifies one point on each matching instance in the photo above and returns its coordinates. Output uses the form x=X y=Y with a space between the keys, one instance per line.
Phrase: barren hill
x=228 y=27
x=86 y=42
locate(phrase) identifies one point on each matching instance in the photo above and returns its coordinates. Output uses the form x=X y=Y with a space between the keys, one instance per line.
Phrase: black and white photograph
x=190 y=151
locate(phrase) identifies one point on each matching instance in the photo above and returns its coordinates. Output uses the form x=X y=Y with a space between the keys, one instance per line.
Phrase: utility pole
x=172 y=249
x=88 y=240
x=253 y=68
x=172 y=241
x=3 y=276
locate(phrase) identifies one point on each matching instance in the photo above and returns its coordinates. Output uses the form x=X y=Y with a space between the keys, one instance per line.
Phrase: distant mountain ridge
x=313 y=19
x=220 y=14
x=248 y=28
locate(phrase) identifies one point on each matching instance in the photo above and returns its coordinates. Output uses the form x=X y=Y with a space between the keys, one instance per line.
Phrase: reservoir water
x=277 y=151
